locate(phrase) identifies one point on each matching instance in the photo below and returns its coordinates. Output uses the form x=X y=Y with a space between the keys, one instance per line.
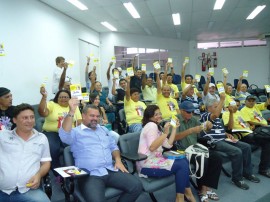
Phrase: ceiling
x=199 y=21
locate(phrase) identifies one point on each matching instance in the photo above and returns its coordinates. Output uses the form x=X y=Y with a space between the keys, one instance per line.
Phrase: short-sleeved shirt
x=184 y=84
x=174 y=89
x=238 y=121
x=228 y=99
x=217 y=131
x=150 y=93
x=241 y=96
x=209 y=96
x=167 y=106
x=6 y=118
x=254 y=114
x=134 y=111
x=184 y=125
x=20 y=160
x=149 y=134
x=91 y=149
x=56 y=115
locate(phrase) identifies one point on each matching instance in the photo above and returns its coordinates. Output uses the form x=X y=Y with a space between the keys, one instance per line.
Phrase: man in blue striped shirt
x=238 y=152
x=95 y=149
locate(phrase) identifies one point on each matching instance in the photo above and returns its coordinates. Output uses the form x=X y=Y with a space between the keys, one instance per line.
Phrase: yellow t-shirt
x=228 y=99
x=167 y=106
x=150 y=93
x=238 y=121
x=56 y=115
x=174 y=89
x=134 y=111
x=184 y=84
x=254 y=114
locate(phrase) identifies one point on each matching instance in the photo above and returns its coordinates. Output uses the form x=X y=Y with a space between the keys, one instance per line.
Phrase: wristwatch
x=70 y=115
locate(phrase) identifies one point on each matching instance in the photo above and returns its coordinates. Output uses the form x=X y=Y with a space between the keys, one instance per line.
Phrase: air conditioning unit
x=265 y=36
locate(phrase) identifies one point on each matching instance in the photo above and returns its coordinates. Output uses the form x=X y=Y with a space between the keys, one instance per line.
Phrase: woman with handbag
x=152 y=138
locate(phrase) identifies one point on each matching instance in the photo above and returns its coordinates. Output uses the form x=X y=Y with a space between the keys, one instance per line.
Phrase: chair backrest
x=245 y=82
x=105 y=89
x=202 y=83
x=235 y=82
x=153 y=76
x=129 y=143
x=68 y=157
x=213 y=79
x=122 y=115
x=266 y=114
x=263 y=98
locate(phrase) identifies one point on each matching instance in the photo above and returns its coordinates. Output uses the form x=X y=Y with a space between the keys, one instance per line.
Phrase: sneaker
x=241 y=184
x=252 y=178
x=265 y=173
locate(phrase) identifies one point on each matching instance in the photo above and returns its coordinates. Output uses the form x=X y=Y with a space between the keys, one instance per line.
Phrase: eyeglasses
x=63 y=97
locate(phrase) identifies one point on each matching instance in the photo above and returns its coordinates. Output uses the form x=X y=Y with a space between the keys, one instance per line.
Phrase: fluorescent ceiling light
x=255 y=12
x=132 y=10
x=78 y=4
x=176 y=18
x=109 y=26
x=219 y=4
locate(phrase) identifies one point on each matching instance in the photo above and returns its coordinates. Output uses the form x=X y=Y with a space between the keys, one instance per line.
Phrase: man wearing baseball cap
x=209 y=90
x=6 y=109
x=252 y=112
x=187 y=134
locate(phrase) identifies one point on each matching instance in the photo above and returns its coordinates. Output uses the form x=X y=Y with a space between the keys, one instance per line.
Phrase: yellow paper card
x=245 y=73
x=220 y=88
x=173 y=121
x=130 y=71
x=116 y=74
x=186 y=60
x=71 y=63
x=225 y=71
x=144 y=67
x=211 y=71
x=44 y=82
x=156 y=65
x=267 y=88
x=76 y=91
x=85 y=97
x=91 y=55
x=114 y=59
x=96 y=62
x=197 y=77
x=169 y=60
x=2 y=51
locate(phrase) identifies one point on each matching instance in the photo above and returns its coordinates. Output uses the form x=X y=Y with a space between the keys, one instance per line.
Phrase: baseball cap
x=187 y=106
x=250 y=97
x=232 y=103
x=3 y=91
x=212 y=85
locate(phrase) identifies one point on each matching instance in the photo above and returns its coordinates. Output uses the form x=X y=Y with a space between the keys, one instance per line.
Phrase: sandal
x=212 y=195
x=203 y=197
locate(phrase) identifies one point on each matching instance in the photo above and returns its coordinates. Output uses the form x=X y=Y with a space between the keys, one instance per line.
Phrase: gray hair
x=89 y=106
x=210 y=102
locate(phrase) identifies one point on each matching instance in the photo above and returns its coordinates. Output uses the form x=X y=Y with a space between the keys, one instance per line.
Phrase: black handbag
x=207 y=141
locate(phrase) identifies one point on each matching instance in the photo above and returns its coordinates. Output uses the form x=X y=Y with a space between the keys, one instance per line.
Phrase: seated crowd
x=69 y=121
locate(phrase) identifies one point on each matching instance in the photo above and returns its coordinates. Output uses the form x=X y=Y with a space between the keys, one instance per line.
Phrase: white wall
x=253 y=59
x=34 y=35
x=109 y=40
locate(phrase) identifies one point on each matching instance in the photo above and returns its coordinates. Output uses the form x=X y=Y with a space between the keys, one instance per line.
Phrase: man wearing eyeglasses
x=187 y=134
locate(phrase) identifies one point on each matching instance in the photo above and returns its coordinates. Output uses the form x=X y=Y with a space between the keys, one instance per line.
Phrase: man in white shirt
x=59 y=74
x=25 y=158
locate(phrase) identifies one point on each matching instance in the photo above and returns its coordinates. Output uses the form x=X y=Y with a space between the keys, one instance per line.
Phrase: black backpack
x=262 y=132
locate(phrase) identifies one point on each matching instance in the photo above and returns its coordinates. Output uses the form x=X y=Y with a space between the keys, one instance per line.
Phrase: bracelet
x=70 y=115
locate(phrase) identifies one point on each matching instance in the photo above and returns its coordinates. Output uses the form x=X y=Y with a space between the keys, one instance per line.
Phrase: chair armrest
x=134 y=157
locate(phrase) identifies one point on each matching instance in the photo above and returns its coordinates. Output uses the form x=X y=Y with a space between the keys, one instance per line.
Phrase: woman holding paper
x=54 y=112
x=152 y=138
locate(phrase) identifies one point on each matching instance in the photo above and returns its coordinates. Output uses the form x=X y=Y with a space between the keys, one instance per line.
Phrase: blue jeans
x=93 y=187
x=180 y=169
x=240 y=156
x=33 y=195
x=136 y=127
